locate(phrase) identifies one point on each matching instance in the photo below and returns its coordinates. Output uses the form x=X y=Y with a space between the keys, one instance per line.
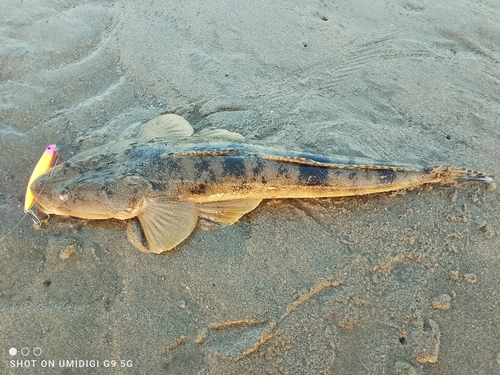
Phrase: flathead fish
x=169 y=179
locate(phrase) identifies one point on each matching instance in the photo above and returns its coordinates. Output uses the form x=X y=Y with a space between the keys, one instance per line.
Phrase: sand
x=388 y=284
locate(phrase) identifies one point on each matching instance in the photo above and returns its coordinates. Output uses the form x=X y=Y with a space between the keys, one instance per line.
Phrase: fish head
x=97 y=190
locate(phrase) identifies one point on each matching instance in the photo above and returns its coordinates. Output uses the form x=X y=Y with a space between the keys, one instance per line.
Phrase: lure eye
x=64 y=195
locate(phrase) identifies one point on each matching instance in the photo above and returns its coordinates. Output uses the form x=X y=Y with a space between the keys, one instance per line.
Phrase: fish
x=168 y=180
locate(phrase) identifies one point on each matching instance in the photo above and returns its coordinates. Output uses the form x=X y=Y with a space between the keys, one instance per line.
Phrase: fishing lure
x=44 y=164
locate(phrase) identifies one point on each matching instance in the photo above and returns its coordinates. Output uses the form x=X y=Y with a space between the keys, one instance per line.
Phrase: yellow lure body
x=43 y=165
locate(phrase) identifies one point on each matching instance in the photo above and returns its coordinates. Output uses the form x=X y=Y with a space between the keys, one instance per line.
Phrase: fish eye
x=64 y=195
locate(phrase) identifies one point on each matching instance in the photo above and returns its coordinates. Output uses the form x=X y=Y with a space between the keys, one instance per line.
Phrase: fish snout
x=48 y=192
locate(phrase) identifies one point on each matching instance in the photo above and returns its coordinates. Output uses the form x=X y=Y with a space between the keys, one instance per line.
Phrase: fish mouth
x=53 y=210
x=55 y=205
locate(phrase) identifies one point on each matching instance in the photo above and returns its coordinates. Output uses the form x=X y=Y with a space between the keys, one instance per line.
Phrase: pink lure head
x=50 y=149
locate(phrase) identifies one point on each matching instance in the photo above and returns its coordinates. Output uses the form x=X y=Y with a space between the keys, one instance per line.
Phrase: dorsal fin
x=355 y=165
x=221 y=133
x=167 y=126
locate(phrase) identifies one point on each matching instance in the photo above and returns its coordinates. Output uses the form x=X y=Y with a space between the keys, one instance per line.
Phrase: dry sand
x=388 y=284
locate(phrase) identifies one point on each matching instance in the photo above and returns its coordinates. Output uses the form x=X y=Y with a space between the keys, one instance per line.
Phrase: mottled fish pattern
x=169 y=179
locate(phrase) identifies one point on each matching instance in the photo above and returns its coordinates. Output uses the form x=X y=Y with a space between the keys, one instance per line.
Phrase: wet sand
x=403 y=283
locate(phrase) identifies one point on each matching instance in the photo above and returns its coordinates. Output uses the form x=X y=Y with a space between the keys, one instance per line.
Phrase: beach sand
x=404 y=283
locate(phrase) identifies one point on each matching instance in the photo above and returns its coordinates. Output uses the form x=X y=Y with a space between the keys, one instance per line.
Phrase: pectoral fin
x=166 y=224
x=226 y=212
x=167 y=126
x=136 y=237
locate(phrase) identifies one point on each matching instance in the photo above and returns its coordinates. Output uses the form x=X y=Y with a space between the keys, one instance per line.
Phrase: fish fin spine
x=315 y=163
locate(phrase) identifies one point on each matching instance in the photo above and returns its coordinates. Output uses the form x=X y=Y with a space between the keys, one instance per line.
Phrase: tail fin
x=449 y=174
x=476 y=177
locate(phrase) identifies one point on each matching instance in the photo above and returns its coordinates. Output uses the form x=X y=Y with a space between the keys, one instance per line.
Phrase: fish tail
x=449 y=174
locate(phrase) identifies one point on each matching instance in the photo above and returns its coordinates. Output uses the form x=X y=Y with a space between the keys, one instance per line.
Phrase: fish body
x=168 y=181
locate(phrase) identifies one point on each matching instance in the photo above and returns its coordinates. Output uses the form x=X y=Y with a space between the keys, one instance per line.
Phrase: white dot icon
x=13 y=351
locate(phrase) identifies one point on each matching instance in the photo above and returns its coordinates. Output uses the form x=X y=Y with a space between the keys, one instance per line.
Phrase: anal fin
x=226 y=212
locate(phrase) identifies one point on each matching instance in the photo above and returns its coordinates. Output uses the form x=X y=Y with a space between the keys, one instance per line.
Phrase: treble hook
x=34 y=217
